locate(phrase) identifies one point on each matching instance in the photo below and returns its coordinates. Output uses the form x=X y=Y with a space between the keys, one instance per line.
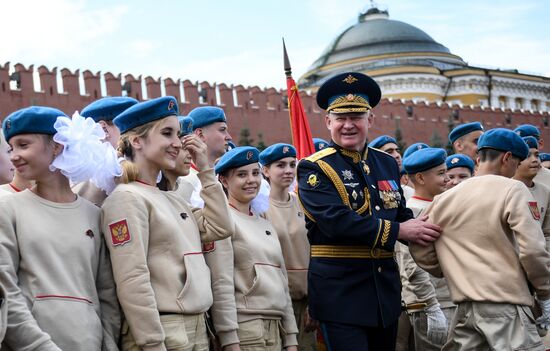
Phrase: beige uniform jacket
x=154 y=238
x=543 y=177
x=55 y=268
x=490 y=242
x=90 y=192
x=416 y=286
x=541 y=193
x=249 y=279
x=288 y=220
x=3 y=312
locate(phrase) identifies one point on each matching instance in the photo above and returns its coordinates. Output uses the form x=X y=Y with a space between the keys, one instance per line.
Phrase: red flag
x=299 y=124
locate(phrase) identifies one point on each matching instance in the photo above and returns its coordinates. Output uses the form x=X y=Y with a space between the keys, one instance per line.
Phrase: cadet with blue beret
x=355 y=213
x=464 y=139
x=287 y=217
x=103 y=111
x=524 y=130
x=545 y=160
x=319 y=144
x=155 y=237
x=387 y=144
x=53 y=261
x=491 y=251
x=459 y=168
x=252 y=306
x=210 y=125
x=413 y=148
x=427 y=171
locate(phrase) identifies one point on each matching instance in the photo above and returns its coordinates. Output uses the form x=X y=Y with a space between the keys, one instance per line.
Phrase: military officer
x=464 y=139
x=355 y=212
x=387 y=144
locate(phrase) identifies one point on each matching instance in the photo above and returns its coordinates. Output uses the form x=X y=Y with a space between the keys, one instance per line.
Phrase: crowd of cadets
x=203 y=245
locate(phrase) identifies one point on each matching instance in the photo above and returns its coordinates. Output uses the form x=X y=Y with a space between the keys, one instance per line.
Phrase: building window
x=502 y=102
x=534 y=105
x=519 y=103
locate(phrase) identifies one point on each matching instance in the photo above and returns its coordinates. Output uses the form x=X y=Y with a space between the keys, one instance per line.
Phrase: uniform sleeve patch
x=533 y=206
x=120 y=234
x=208 y=247
x=313 y=180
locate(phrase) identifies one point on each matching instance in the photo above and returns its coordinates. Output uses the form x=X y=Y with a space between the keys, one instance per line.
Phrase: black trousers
x=348 y=337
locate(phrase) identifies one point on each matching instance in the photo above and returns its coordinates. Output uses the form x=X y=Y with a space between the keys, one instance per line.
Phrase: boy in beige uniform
x=525 y=130
x=491 y=249
x=427 y=171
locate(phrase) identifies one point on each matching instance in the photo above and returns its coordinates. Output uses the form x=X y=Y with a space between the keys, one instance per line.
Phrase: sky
x=239 y=42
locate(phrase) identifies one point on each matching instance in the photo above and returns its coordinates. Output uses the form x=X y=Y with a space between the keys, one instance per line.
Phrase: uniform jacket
x=249 y=279
x=90 y=192
x=154 y=238
x=56 y=270
x=491 y=246
x=288 y=219
x=353 y=199
x=541 y=193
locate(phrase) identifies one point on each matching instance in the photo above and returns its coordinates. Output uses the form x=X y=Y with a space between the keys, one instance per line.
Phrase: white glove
x=543 y=321
x=437 y=324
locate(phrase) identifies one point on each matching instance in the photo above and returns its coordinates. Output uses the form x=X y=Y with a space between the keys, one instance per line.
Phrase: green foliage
x=244 y=138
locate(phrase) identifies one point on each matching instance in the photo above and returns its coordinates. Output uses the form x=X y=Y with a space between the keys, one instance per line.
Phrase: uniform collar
x=354 y=155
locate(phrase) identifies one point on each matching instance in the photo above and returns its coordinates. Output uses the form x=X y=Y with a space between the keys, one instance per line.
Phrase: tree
x=261 y=145
x=401 y=144
x=449 y=146
x=435 y=140
x=244 y=137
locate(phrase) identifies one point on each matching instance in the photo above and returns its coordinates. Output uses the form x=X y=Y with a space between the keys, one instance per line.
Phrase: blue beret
x=276 y=152
x=381 y=141
x=231 y=145
x=145 y=112
x=460 y=160
x=424 y=159
x=106 y=109
x=414 y=148
x=531 y=141
x=237 y=157
x=348 y=92
x=31 y=120
x=206 y=115
x=319 y=144
x=186 y=125
x=504 y=140
x=464 y=129
x=527 y=130
x=544 y=156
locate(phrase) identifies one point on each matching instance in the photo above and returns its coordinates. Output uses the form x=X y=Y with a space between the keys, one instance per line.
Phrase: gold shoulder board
x=320 y=154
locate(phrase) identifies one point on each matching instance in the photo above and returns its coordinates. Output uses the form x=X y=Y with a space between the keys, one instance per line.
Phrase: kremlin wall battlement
x=262 y=111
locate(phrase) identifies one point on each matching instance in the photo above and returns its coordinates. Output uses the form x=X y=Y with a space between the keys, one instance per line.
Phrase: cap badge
x=8 y=124
x=454 y=160
x=249 y=155
x=350 y=97
x=350 y=79
x=171 y=105
x=321 y=146
x=285 y=149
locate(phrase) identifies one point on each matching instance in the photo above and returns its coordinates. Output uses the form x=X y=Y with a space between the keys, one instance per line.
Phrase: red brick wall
x=260 y=110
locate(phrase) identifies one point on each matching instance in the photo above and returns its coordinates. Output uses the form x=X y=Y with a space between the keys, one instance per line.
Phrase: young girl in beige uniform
x=53 y=261
x=154 y=236
x=252 y=307
x=287 y=217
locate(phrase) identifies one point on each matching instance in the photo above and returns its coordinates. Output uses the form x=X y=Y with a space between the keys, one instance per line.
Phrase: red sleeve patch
x=208 y=247
x=533 y=206
x=120 y=234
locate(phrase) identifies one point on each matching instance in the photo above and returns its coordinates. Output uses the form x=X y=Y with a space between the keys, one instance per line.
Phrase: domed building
x=409 y=64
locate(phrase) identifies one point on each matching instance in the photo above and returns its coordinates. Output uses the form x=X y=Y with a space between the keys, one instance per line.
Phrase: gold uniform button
x=377 y=208
x=379 y=269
